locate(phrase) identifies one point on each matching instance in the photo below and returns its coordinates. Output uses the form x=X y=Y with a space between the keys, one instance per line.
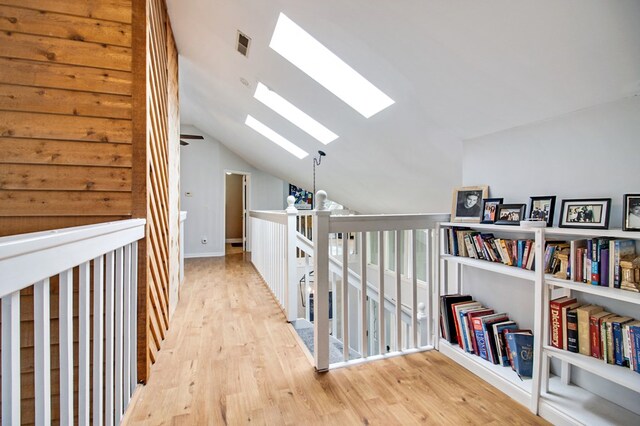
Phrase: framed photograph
x=467 y=202
x=489 y=208
x=510 y=214
x=631 y=211
x=304 y=199
x=543 y=208
x=587 y=214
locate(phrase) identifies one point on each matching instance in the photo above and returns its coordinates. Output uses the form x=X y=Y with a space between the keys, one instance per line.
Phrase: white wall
x=592 y=153
x=202 y=169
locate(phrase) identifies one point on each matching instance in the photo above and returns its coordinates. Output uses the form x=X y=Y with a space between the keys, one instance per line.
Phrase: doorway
x=235 y=216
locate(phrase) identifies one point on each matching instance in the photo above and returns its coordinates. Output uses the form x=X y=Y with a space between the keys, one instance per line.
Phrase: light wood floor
x=230 y=358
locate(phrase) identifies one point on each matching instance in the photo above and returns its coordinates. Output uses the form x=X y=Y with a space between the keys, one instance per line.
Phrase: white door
x=244 y=212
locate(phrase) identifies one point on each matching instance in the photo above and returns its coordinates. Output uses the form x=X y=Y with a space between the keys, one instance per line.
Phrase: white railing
x=369 y=299
x=104 y=257
x=273 y=256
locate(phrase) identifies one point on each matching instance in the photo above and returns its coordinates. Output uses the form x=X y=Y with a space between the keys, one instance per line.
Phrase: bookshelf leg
x=544 y=371
x=565 y=373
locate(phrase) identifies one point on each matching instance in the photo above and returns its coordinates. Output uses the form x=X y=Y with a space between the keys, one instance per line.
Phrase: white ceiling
x=456 y=70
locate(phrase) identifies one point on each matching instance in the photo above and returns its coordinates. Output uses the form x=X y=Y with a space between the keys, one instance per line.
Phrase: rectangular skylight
x=305 y=52
x=275 y=137
x=293 y=114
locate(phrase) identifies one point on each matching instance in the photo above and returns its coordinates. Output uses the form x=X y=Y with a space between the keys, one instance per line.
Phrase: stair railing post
x=291 y=260
x=321 y=283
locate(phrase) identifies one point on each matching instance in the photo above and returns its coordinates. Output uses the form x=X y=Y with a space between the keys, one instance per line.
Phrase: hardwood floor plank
x=229 y=357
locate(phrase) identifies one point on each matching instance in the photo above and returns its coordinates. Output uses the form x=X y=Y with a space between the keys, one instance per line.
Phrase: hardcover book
x=501 y=347
x=521 y=347
x=565 y=323
x=556 y=321
x=572 y=330
x=618 y=351
x=584 y=335
x=595 y=324
x=446 y=316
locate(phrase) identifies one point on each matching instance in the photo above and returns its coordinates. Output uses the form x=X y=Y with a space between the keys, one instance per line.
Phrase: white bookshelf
x=554 y=398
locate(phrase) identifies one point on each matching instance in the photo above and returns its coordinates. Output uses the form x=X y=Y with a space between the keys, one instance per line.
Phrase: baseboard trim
x=211 y=254
x=233 y=240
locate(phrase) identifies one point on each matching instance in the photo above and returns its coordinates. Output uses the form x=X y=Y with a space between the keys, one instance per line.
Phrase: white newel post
x=423 y=325
x=291 y=260
x=321 y=284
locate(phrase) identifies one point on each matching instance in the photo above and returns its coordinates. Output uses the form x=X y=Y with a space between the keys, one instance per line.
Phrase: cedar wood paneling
x=73 y=148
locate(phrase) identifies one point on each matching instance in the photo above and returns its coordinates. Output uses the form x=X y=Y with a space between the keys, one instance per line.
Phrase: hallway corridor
x=230 y=358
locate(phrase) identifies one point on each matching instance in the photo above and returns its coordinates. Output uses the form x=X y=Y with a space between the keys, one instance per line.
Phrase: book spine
x=616 y=264
x=610 y=345
x=625 y=345
x=604 y=344
x=584 y=344
x=594 y=326
x=479 y=333
x=572 y=331
x=635 y=347
x=520 y=252
x=617 y=344
x=604 y=267
x=579 y=264
x=555 y=313
x=595 y=265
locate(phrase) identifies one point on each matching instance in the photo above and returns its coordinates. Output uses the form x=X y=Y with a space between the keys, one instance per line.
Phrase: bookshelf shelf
x=560 y=401
x=500 y=268
x=611 y=293
x=503 y=378
x=620 y=375
x=571 y=404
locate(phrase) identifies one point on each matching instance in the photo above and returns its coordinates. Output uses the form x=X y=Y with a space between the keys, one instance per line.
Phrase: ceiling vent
x=243 y=44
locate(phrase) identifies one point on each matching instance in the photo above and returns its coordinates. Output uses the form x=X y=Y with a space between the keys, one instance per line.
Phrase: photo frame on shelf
x=631 y=212
x=542 y=208
x=467 y=202
x=489 y=208
x=510 y=214
x=585 y=213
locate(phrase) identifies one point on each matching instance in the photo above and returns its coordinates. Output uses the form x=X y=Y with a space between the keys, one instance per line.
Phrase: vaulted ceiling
x=456 y=70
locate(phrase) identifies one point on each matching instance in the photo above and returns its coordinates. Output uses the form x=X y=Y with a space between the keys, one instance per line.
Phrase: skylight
x=293 y=114
x=305 y=52
x=275 y=137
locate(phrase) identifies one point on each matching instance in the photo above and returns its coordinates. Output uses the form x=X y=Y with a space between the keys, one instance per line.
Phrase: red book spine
x=556 y=325
x=594 y=328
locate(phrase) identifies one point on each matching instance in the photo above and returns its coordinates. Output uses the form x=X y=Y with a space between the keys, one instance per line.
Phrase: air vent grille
x=243 y=43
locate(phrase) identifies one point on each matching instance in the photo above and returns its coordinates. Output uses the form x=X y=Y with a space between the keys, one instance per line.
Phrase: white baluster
x=66 y=346
x=134 y=318
x=345 y=296
x=291 y=260
x=381 y=323
x=109 y=339
x=11 y=359
x=126 y=327
x=414 y=290
x=84 y=322
x=98 y=336
x=321 y=293
x=119 y=284
x=363 y=296
x=398 y=293
x=42 y=351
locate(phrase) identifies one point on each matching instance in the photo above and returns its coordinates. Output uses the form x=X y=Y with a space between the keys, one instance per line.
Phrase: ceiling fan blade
x=183 y=143
x=191 y=136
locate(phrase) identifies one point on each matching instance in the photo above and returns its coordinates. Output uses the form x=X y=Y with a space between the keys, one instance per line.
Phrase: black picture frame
x=506 y=214
x=588 y=213
x=631 y=212
x=490 y=204
x=537 y=208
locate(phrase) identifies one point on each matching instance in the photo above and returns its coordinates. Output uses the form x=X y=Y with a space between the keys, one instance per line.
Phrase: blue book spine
x=520 y=252
x=482 y=347
x=635 y=342
x=461 y=319
x=524 y=354
x=617 y=344
x=500 y=341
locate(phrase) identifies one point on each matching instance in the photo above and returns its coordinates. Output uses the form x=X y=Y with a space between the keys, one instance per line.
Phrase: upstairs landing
x=230 y=358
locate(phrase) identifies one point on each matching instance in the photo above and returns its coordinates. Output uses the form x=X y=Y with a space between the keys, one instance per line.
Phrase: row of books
x=485 y=246
x=592 y=331
x=483 y=332
x=598 y=261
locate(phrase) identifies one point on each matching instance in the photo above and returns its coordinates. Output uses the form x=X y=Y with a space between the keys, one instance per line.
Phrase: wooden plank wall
x=75 y=147
x=158 y=236
x=65 y=113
